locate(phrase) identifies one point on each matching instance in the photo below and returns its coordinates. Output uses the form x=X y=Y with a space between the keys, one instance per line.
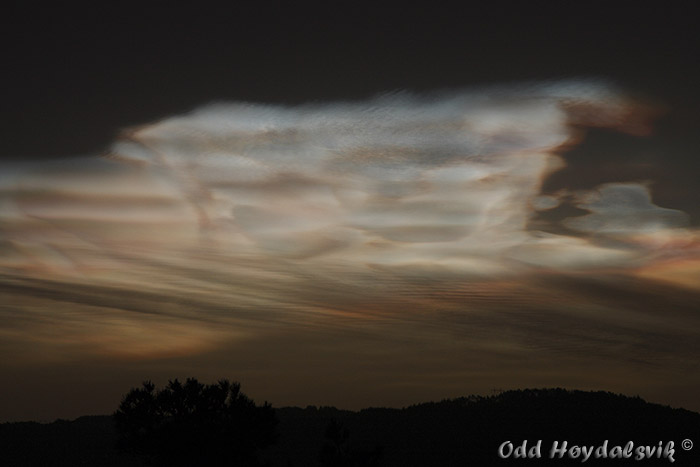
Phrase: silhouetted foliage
x=338 y=452
x=450 y=433
x=194 y=424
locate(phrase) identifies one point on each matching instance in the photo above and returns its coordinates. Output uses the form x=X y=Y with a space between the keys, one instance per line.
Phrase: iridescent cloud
x=406 y=216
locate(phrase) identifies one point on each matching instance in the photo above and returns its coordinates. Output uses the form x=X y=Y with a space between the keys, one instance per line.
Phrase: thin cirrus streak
x=404 y=216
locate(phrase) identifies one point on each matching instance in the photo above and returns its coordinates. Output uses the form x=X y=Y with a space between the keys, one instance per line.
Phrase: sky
x=352 y=207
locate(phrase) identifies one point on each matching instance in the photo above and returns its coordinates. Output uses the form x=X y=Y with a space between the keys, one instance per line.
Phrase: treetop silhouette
x=193 y=423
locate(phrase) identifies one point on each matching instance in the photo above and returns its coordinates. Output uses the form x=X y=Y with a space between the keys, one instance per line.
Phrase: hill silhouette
x=456 y=432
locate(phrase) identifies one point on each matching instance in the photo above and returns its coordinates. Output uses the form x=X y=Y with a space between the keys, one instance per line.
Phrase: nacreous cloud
x=238 y=206
x=625 y=208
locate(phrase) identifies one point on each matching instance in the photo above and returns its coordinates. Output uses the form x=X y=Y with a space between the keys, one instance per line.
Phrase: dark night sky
x=111 y=274
x=74 y=77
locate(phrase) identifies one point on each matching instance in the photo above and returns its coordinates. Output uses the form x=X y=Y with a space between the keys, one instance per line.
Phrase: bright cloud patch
x=248 y=217
x=399 y=177
x=625 y=208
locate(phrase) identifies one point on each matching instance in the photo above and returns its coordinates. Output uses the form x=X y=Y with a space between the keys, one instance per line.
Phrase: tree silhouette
x=336 y=450
x=193 y=424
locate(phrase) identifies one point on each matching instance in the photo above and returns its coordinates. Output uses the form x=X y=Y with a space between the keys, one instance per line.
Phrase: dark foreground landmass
x=460 y=432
